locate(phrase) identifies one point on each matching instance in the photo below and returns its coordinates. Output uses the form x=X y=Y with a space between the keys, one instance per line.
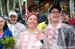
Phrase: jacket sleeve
x=71 y=37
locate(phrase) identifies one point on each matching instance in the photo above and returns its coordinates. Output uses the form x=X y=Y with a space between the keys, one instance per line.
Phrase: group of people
x=55 y=35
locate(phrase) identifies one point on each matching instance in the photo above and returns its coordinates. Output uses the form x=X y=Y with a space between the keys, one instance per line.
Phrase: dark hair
x=30 y=16
x=19 y=15
x=35 y=15
x=54 y=6
x=5 y=26
x=42 y=18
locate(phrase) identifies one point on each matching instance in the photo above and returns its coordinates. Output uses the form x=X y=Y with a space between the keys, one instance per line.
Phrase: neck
x=54 y=24
x=31 y=29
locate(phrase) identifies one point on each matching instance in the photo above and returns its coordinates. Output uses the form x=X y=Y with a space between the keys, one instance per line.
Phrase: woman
x=4 y=31
x=30 y=39
x=57 y=34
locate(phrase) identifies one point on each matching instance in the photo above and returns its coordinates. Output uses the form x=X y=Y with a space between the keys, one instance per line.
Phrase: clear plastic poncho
x=62 y=37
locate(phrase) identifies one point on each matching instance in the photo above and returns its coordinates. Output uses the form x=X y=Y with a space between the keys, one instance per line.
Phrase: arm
x=72 y=38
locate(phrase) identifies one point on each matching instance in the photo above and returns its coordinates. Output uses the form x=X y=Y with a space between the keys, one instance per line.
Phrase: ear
x=48 y=16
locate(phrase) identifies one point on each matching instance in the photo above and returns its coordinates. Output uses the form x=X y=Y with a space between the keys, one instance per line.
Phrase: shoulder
x=8 y=24
x=39 y=34
x=20 y=24
x=7 y=32
x=67 y=26
x=23 y=33
x=38 y=30
x=47 y=27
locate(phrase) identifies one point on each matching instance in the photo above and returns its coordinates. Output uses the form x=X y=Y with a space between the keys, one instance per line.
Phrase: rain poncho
x=16 y=29
x=30 y=40
x=61 y=37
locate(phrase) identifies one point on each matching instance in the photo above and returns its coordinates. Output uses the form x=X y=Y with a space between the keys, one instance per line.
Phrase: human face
x=65 y=17
x=54 y=15
x=13 y=19
x=32 y=21
x=2 y=23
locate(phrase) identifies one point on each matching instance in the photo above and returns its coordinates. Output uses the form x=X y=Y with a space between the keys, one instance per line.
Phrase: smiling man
x=57 y=34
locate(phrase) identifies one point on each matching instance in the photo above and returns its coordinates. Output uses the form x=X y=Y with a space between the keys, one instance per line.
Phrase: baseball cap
x=54 y=6
x=12 y=13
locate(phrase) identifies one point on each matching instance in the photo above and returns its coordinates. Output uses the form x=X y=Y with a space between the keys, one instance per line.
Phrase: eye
x=35 y=19
x=30 y=18
x=1 y=21
x=54 y=11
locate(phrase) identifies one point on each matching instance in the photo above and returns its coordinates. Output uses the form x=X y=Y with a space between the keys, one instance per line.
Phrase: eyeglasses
x=55 y=12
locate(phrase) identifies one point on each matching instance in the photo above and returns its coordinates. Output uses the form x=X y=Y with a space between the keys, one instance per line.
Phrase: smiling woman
x=4 y=32
x=32 y=21
x=30 y=39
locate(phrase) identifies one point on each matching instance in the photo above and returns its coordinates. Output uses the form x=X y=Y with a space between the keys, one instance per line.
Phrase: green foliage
x=7 y=42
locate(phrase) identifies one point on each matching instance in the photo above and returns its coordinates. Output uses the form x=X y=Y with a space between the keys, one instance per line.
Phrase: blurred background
x=68 y=6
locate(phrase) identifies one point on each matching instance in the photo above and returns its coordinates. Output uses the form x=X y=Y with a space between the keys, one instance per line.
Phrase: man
x=57 y=34
x=15 y=27
x=65 y=18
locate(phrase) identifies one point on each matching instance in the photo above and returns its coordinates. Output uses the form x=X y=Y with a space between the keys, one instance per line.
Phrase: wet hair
x=37 y=16
x=5 y=26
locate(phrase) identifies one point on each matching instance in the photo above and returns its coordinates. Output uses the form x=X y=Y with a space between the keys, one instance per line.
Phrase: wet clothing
x=30 y=40
x=61 y=37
